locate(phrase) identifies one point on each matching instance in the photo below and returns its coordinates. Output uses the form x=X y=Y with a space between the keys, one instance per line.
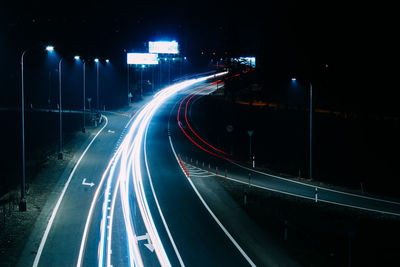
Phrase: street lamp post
x=49 y=98
x=22 y=203
x=141 y=81
x=97 y=83
x=152 y=79
x=77 y=58
x=169 y=71
x=84 y=97
x=128 y=89
x=294 y=80
x=311 y=120
x=250 y=132
x=60 y=153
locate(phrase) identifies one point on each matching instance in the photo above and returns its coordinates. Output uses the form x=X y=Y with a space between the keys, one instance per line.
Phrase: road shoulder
x=257 y=244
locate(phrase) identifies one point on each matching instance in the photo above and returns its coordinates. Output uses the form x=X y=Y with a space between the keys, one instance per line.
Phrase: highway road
x=129 y=200
x=197 y=149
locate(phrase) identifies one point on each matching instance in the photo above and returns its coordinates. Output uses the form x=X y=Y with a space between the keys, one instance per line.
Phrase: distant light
x=96 y=60
x=107 y=60
x=50 y=48
x=77 y=57
x=184 y=58
x=293 y=79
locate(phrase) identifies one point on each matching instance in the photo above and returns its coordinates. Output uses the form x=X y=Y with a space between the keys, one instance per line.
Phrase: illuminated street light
x=60 y=153
x=97 y=61
x=311 y=123
x=97 y=82
x=84 y=92
x=22 y=203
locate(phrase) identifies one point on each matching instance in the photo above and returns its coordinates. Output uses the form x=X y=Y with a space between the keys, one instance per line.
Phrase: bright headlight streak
x=142 y=201
x=116 y=155
x=109 y=237
x=131 y=148
x=145 y=116
x=135 y=258
x=90 y=213
x=133 y=247
x=105 y=213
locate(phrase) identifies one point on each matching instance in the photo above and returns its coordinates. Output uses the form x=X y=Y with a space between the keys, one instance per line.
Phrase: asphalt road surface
x=197 y=149
x=125 y=205
x=130 y=200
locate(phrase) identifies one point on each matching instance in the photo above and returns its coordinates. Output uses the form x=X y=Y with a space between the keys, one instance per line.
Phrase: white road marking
x=54 y=213
x=148 y=245
x=310 y=198
x=88 y=184
x=313 y=186
x=211 y=213
x=158 y=205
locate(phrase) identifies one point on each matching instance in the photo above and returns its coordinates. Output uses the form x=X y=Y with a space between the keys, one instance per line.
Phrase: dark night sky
x=288 y=37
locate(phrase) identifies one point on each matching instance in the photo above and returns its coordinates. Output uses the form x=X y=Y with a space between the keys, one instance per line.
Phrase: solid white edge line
x=54 y=213
x=302 y=183
x=315 y=186
x=211 y=213
x=310 y=198
x=112 y=209
x=157 y=203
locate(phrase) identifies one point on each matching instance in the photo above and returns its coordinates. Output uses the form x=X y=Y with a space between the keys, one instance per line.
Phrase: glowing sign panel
x=248 y=61
x=142 y=58
x=163 y=47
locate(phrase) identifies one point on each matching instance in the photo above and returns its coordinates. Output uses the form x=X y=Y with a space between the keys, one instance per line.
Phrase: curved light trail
x=124 y=170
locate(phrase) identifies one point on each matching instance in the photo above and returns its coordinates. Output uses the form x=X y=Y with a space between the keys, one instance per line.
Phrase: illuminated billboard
x=164 y=47
x=248 y=61
x=142 y=58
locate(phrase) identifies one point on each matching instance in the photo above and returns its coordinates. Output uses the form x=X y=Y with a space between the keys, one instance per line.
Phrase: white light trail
x=128 y=159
